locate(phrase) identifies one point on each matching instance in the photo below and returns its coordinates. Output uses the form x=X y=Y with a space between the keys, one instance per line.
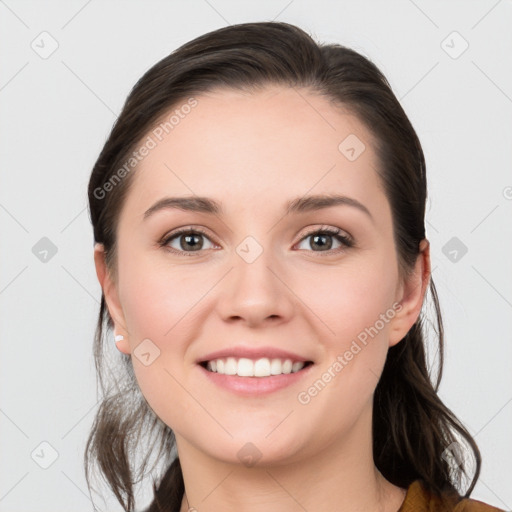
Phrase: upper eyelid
x=184 y=230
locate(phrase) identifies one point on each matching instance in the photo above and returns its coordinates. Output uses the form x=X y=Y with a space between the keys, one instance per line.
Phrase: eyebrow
x=298 y=205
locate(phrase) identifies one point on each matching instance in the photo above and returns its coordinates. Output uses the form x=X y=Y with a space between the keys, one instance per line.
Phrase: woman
x=258 y=213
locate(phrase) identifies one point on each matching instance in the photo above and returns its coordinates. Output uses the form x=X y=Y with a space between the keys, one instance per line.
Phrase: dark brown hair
x=413 y=431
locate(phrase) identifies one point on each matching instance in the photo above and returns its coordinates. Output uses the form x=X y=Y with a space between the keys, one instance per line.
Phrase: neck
x=341 y=477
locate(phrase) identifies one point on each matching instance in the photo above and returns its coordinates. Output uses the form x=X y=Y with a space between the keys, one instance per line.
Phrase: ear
x=411 y=294
x=111 y=297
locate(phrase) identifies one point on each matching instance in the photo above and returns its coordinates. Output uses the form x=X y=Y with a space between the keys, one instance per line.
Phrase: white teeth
x=262 y=368
x=275 y=367
x=230 y=367
x=297 y=366
x=245 y=367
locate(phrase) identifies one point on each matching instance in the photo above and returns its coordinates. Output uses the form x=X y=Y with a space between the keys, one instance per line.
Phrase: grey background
x=56 y=113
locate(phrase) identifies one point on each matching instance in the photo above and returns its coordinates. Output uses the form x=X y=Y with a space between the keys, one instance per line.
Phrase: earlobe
x=112 y=299
x=122 y=344
x=412 y=295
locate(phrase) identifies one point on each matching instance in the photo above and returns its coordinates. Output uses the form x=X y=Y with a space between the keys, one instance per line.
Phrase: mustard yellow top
x=418 y=499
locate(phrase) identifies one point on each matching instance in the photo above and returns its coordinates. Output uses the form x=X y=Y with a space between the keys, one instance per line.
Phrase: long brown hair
x=414 y=433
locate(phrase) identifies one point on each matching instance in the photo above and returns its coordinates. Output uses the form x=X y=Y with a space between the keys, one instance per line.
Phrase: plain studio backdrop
x=66 y=70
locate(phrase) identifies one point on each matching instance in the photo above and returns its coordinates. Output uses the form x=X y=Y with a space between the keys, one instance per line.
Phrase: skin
x=253 y=152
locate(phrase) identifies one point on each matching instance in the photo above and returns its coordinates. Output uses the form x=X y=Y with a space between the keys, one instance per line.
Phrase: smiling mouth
x=262 y=367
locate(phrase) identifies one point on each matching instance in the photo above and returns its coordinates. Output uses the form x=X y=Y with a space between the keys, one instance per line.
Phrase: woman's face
x=261 y=276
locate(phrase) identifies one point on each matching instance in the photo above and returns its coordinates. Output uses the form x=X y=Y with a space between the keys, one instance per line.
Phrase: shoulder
x=470 y=505
x=419 y=499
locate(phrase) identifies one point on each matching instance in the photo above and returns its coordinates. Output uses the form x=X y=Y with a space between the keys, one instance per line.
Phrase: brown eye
x=324 y=239
x=187 y=241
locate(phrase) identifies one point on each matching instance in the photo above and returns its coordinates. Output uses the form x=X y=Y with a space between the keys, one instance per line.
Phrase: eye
x=187 y=240
x=323 y=239
x=190 y=240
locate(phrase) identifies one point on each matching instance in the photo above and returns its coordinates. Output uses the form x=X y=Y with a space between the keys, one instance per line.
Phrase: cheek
x=356 y=303
x=358 y=308
x=158 y=305
x=351 y=298
x=154 y=299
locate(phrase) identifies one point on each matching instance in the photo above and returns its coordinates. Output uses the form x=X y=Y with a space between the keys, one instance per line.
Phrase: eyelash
x=345 y=240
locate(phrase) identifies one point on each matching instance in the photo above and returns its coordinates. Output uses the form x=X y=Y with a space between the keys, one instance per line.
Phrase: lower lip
x=248 y=386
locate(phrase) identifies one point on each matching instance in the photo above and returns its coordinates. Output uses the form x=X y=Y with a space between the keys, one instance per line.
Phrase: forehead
x=274 y=143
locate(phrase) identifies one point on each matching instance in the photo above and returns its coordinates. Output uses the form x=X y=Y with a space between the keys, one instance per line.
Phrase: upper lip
x=253 y=353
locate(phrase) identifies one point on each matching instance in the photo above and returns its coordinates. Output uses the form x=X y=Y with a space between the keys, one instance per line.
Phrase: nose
x=257 y=292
